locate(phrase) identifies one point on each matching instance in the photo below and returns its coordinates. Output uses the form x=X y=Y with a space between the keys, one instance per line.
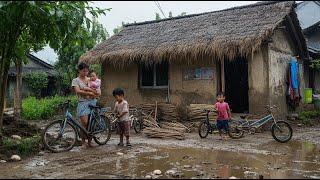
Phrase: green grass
x=307 y=116
x=37 y=109
x=23 y=147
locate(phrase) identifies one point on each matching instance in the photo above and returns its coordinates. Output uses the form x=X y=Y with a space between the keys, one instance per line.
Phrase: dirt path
x=248 y=157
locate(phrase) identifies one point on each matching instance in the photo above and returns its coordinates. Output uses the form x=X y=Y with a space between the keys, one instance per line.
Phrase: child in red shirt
x=224 y=114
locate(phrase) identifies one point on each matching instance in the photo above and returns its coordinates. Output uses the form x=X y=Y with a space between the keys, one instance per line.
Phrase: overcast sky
x=130 y=11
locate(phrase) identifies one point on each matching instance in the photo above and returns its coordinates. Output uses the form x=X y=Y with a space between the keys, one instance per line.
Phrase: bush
x=35 y=109
x=24 y=147
x=306 y=116
x=36 y=81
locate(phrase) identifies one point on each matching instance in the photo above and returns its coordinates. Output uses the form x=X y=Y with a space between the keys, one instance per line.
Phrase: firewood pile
x=154 y=129
x=163 y=133
x=195 y=112
x=168 y=112
x=165 y=111
x=149 y=121
x=175 y=126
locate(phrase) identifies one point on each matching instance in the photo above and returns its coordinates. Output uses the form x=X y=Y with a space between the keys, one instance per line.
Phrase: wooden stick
x=156 y=111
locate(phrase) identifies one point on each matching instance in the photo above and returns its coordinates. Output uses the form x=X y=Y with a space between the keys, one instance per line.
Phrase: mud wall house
x=34 y=65
x=309 y=16
x=244 y=51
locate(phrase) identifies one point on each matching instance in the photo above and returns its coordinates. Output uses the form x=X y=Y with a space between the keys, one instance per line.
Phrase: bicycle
x=206 y=127
x=64 y=133
x=136 y=120
x=277 y=127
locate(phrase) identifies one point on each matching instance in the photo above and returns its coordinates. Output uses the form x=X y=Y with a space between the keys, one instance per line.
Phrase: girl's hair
x=220 y=94
x=82 y=66
x=118 y=91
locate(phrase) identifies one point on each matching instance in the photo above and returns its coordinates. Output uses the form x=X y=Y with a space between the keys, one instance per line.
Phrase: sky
x=139 y=11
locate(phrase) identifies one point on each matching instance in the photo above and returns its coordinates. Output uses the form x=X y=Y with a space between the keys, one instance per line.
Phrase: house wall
x=182 y=92
x=258 y=81
x=280 y=53
x=10 y=91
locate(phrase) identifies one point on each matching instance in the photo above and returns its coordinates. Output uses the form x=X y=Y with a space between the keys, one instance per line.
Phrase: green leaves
x=36 y=81
x=315 y=64
x=37 y=109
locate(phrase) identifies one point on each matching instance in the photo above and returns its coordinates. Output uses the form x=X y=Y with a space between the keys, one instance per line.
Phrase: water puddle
x=297 y=160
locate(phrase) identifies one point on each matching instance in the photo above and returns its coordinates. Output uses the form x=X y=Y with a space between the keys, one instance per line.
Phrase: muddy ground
x=250 y=157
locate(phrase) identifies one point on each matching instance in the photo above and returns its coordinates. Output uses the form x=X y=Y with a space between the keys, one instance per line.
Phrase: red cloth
x=222 y=109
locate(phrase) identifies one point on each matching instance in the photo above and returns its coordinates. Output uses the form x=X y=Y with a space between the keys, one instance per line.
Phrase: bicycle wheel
x=281 y=131
x=56 y=141
x=204 y=129
x=137 y=125
x=235 y=132
x=102 y=125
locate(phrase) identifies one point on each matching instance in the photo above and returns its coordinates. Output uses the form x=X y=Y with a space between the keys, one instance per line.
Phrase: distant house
x=309 y=16
x=244 y=51
x=34 y=65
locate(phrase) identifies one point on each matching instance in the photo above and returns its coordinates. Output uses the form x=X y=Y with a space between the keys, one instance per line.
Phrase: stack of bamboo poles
x=163 y=133
x=149 y=121
x=168 y=112
x=196 y=113
x=147 y=108
x=174 y=126
x=161 y=130
x=164 y=111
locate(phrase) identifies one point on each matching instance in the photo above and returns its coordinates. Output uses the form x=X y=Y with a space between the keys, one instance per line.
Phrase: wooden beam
x=222 y=76
x=295 y=33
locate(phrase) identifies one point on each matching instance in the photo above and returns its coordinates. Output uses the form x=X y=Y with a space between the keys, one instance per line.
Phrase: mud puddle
x=294 y=159
x=298 y=160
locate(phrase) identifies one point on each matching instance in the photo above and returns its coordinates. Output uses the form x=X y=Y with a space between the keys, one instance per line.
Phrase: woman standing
x=85 y=97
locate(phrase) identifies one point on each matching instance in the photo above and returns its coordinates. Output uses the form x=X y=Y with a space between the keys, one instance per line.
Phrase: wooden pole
x=222 y=76
x=156 y=111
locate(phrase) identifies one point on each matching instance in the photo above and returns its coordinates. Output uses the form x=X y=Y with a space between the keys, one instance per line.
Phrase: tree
x=74 y=47
x=158 y=16
x=119 y=28
x=183 y=14
x=28 y=25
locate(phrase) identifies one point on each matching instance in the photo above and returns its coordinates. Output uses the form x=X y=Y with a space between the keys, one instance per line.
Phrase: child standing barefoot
x=224 y=114
x=121 y=107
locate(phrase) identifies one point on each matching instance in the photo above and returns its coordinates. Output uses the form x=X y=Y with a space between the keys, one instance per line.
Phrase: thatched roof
x=220 y=34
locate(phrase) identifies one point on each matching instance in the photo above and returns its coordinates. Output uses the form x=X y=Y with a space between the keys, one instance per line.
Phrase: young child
x=94 y=84
x=121 y=108
x=224 y=114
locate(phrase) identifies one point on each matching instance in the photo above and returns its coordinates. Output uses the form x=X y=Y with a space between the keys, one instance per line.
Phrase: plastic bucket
x=307 y=95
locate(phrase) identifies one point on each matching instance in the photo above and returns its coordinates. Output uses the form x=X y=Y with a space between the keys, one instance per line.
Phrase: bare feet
x=225 y=138
x=89 y=144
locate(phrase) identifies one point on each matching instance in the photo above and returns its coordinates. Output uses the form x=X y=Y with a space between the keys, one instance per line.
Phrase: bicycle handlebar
x=208 y=110
x=65 y=104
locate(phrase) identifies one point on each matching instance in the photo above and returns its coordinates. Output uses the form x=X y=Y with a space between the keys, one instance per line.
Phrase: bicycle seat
x=94 y=107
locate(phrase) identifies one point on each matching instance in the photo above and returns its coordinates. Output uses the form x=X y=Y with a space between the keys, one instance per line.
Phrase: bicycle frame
x=90 y=131
x=260 y=122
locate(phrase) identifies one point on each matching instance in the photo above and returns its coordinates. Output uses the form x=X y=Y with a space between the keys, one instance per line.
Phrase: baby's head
x=93 y=76
x=220 y=97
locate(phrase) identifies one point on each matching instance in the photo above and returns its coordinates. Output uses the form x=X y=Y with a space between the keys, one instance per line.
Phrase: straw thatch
x=221 y=34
